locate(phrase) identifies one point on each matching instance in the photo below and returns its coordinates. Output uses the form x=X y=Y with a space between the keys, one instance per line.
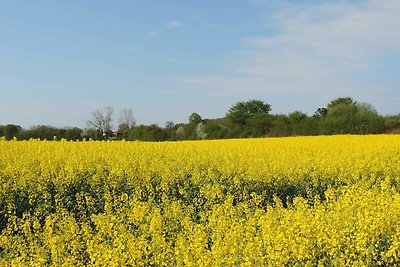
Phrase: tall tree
x=195 y=128
x=11 y=130
x=340 y=118
x=341 y=101
x=195 y=118
x=242 y=111
x=102 y=120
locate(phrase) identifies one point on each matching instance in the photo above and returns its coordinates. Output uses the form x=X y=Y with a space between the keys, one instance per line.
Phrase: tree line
x=245 y=119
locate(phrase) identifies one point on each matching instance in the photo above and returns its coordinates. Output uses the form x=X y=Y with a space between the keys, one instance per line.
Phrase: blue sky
x=61 y=60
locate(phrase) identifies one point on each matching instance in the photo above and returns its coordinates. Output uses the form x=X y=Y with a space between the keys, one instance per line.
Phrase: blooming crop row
x=301 y=201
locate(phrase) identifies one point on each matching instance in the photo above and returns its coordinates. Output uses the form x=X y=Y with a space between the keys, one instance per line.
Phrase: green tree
x=11 y=130
x=340 y=101
x=392 y=124
x=340 y=116
x=367 y=120
x=298 y=122
x=147 y=133
x=170 y=130
x=41 y=131
x=215 y=130
x=243 y=111
x=195 y=127
x=74 y=133
x=257 y=125
x=250 y=118
x=47 y=132
x=90 y=133
x=346 y=116
x=280 y=126
x=195 y=118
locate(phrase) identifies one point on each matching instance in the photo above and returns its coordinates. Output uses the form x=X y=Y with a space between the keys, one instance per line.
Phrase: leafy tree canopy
x=344 y=101
x=195 y=118
x=242 y=111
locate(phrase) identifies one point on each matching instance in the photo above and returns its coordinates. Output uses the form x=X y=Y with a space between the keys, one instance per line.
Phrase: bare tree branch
x=102 y=119
x=126 y=120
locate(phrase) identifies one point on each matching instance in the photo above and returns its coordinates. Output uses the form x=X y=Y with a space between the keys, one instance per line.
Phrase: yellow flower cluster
x=298 y=201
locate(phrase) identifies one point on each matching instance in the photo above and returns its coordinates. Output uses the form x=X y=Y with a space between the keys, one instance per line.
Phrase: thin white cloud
x=174 y=24
x=337 y=30
x=318 y=52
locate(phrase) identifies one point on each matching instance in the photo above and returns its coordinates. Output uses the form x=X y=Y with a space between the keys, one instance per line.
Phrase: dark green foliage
x=340 y=101
x=123 y=130
x=92 y=134
x=280 y=126
x=147 y=133
x=11 y=130
x=258 y=125
x=346 y=116
x=251 y=117
x=299 y=123
x=42 y=132
x=194 y=118
x=74 y=133
x=215 y=129
x=392 y=124
x=170 y=130
x=243 y=111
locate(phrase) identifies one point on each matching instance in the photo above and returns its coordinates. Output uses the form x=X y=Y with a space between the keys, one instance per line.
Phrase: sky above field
x=61 y=60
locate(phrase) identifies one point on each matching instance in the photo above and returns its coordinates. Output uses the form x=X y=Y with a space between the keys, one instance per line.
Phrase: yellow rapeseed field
x=298 y=201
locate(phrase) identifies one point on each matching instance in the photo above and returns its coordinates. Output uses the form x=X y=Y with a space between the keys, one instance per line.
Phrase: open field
x=298 y=201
